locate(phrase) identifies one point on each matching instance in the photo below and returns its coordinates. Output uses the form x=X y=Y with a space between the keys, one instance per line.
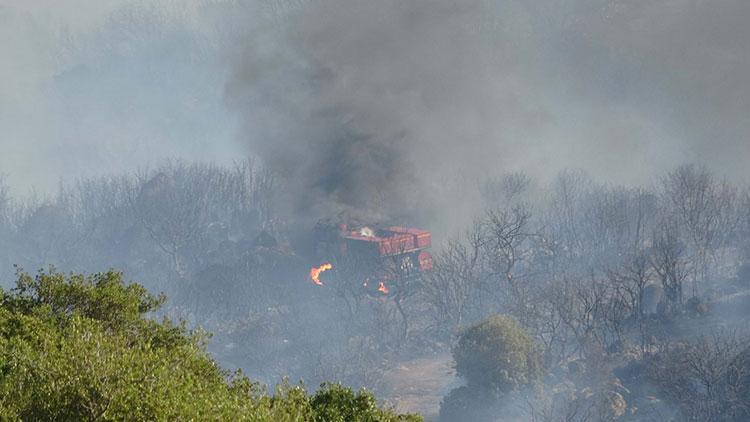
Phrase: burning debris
x=382 y=288
x=315 y=273
x=389 y=255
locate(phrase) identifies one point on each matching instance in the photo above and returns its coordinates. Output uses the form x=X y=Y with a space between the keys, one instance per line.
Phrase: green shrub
x=334 y=403
x=497 y=354
x=469 y=404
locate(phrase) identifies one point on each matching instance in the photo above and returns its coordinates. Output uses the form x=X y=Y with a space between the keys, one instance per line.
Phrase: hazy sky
x=94 y=86
x=394 y=91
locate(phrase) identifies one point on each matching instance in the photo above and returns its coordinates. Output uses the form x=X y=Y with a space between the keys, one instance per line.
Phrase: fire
x=315 y=273
x=382 y=288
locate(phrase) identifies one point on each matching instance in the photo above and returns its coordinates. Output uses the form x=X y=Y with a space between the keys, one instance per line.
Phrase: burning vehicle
x=382 y=257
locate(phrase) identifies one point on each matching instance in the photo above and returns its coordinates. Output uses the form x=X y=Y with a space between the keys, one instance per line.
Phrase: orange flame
x=382 y=288
x=315 y=273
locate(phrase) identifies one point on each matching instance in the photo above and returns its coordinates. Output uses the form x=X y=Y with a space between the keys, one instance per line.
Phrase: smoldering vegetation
x=633 y=298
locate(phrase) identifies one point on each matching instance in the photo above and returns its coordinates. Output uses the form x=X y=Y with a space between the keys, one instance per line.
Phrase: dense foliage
x=83 y=348
x=497 y=354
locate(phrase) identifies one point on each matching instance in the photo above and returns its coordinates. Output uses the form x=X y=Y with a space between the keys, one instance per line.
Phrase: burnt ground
x=418 y=385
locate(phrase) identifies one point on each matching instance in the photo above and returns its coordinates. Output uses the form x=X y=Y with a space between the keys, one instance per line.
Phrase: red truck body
x=390 y=242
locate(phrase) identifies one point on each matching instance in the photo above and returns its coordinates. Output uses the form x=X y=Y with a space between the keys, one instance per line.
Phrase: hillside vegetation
x=81 y=347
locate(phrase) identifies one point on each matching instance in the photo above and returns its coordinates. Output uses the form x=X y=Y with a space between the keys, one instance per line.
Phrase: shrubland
x=76 y=347
x=613 y=292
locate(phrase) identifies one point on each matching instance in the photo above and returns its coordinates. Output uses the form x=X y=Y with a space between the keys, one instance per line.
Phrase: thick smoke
x=381 y=105
x=375 y=105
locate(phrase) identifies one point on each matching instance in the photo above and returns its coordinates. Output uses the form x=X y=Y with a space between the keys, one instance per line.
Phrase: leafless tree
x=456 y=276
x=706 y=210
x=707 y=377
x=176 y=205
x=505 y=231
x=669 y=261
x=564 y=210
x=173 y=213
x=507 y=190
x=629 y=284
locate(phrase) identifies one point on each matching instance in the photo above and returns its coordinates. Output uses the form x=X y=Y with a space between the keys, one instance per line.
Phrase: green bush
x=82 y=348
x=497 y=354
x=467 y=404
x=334 y=403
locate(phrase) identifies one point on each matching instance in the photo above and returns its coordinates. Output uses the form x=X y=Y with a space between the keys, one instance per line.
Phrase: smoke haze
x=349 y=99
x=354 y=98
x=234 y=126
x=93 y=87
